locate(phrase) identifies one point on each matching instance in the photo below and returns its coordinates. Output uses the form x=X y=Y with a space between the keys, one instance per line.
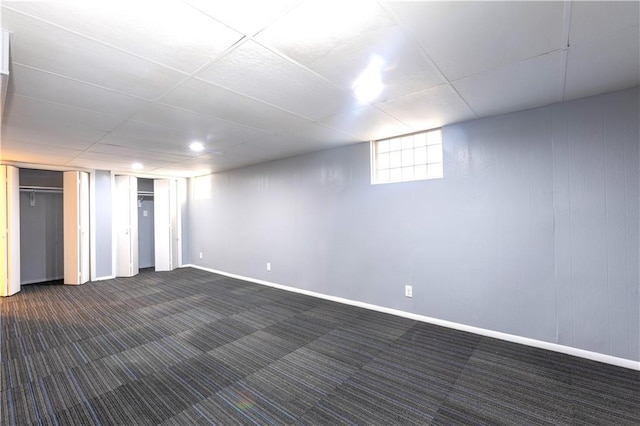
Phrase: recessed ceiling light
x=196 y=146
x=137 y=166
x=369 y=85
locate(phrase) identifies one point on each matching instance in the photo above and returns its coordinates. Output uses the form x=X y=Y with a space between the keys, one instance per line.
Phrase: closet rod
x=39 y=189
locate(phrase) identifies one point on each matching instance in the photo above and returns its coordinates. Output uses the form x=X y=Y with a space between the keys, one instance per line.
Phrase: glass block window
x=416 y=156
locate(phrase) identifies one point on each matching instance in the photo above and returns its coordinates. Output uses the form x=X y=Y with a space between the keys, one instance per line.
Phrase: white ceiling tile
x=60 y=115
x=321 y=26
x=213 y=132
x=137 y=154
x=87 y=88
x=315 y=134
x=210 y=161
x=262 y=149
x=429 y=109
x=119 y=165
x=202 y=166
x=42 y=85
x=523 y=85
x=176 y=118
x=596 y=19
x=367 y=123
x=41 y=45
x=147 y=137
x=274 y=146
x=261 y=74
x=169 y=32
x=145 y=141
x=41 y=158
x=604 y=64
x=11 y=150
x=147 y=162
x=164 y=172
x=205 y=98
x=338 y=40
x=257 y=151
x=200 y=163
x=45 y=131
x=251 y=152
x=465 y=38
x=246 y=16
x=10 y=144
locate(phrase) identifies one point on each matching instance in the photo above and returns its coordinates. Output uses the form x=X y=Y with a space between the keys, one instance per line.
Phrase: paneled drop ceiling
x=103 y=84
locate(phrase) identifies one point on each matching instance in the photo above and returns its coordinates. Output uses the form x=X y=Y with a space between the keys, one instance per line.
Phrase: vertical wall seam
x=627 y=261
x=553 y=222
x=566 y=27
x=571 y=286
x=570 y=228
x=633 y=143
x=606 y=221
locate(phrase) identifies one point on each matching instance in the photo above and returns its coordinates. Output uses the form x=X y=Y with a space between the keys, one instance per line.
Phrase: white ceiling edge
x=55 y=168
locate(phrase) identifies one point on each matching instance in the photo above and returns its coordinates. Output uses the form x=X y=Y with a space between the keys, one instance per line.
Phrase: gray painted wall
x=104 y=226
x=596 y=183
x=533 y=231
x=146 y=248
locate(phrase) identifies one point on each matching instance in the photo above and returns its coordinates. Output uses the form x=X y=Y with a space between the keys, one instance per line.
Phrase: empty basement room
x=319 y=212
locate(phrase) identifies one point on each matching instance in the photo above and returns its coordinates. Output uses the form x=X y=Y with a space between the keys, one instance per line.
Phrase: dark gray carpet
x=191 y=347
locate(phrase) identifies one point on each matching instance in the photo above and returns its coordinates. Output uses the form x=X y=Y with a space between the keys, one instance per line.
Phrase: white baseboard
x=594 y=356
x=110 y=277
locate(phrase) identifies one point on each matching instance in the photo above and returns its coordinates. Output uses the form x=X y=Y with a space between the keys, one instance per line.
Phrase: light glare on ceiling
x=369 y=85
x=309 y=22
x=196 y=146
x=137 y=166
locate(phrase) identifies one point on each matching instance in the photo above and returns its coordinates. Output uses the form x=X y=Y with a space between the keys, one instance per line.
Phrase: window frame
x=401 y=139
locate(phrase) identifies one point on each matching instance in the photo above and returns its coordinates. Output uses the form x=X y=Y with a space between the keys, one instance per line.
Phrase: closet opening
x=146 y=237
x=41 y=227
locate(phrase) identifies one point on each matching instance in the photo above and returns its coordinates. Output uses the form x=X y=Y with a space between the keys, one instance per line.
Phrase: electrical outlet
x=408 y=291
x=200 y=255
x=268 y=266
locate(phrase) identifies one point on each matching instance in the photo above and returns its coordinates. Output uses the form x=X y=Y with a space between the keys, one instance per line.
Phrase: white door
x=126 y=223
x=10 y=230
x=84 y=228
x=165 y=216
x=76 y=227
